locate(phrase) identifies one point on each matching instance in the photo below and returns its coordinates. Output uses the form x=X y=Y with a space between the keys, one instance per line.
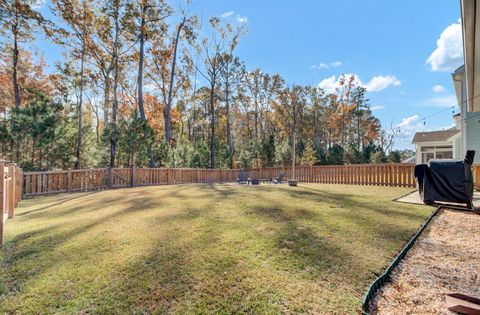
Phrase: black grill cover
x=419 y=173
x=446 y=180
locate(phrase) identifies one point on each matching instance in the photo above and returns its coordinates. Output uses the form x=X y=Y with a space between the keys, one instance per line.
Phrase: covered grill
x=446 y=180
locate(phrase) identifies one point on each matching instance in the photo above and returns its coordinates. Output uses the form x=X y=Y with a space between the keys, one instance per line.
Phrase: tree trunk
x=33 y=152
x=97 y=127
x=16 y=88
x=140 y=80
x=141 y=109
x=79 y=103
x=167 y=109
x=256 y=127
x=227 y=108
x=106 y=98
x=194 y=107
x=359 y=136
x=113 y=140
x=294 y=138
x=294 y=155
x=212 y=124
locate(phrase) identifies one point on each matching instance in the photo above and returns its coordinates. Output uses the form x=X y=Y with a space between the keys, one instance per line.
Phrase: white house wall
x=457 y=148
x=472 y=127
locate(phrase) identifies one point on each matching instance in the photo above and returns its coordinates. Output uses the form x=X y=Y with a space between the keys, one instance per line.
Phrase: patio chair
x=242 y=177
x=279 y=179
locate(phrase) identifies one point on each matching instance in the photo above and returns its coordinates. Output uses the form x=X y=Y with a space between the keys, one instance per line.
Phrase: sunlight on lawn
x=203 y=248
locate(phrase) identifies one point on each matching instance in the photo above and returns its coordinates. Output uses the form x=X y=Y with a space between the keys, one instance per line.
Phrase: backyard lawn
x=203 y=249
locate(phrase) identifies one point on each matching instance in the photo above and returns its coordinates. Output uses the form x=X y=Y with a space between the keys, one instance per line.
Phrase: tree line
x=143 y=83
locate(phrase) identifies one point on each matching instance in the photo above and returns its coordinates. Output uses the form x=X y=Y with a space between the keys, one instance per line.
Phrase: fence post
x=134 y=176
x=169 y=176
x=2 y=200
x=11 y=191
x=69 y=180
x=19 y=185
x=109 y=177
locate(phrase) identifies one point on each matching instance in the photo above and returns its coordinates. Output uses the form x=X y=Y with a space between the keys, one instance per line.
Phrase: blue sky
x=387 y=44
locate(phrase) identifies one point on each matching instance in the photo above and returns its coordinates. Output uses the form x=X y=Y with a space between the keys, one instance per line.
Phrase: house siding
x=473 y=133
x=457 y=148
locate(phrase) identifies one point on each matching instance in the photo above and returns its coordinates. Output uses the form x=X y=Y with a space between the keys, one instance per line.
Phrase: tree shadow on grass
x=382 y=222
x=198 y=271
x=303 y=250
x=66 y=199
x=377 y=205
x=27 y=256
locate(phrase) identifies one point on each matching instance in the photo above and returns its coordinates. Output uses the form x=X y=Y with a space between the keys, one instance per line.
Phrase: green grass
x=202 y=249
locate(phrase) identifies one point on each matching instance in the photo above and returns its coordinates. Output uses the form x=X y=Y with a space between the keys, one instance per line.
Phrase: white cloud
x=438 y=88
x=239 y=18
x=407 y=121
x=227 y=14
x=327 y=65
x=378 y=107
x=377 y=83
x=449 y=52
x=38 y=4
x=408 y=127
x=242 y=19
x=329 y=84
x=336 y=64
x=381 y=82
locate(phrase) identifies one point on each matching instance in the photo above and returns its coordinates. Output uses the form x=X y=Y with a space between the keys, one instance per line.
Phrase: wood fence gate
x=120 y=177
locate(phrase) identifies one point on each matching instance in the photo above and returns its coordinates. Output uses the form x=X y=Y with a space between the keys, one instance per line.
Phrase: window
x=444 y=154
x=427 y=157
x=436 y=152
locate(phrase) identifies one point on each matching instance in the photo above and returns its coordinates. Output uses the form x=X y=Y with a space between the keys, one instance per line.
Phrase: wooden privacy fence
x=392 y=174
x=52 y=182
x=40 y=183
x=10 y=193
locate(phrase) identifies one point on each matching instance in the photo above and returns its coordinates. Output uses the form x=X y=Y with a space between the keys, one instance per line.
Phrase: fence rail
x=393 y=174
x=41 y=183
x=10 y=193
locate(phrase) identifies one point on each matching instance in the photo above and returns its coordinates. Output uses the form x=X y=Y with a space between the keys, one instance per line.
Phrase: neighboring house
x=410 y=160
x=453 y=143
x=443 y=144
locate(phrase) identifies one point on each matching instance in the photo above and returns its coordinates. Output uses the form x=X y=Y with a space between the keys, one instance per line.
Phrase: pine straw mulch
x=445 y=258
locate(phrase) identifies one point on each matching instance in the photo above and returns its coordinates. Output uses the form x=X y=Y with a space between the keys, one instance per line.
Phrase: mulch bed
x=444 y=259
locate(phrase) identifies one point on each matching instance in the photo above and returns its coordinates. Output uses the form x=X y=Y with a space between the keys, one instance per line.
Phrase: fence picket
x=39 y=183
